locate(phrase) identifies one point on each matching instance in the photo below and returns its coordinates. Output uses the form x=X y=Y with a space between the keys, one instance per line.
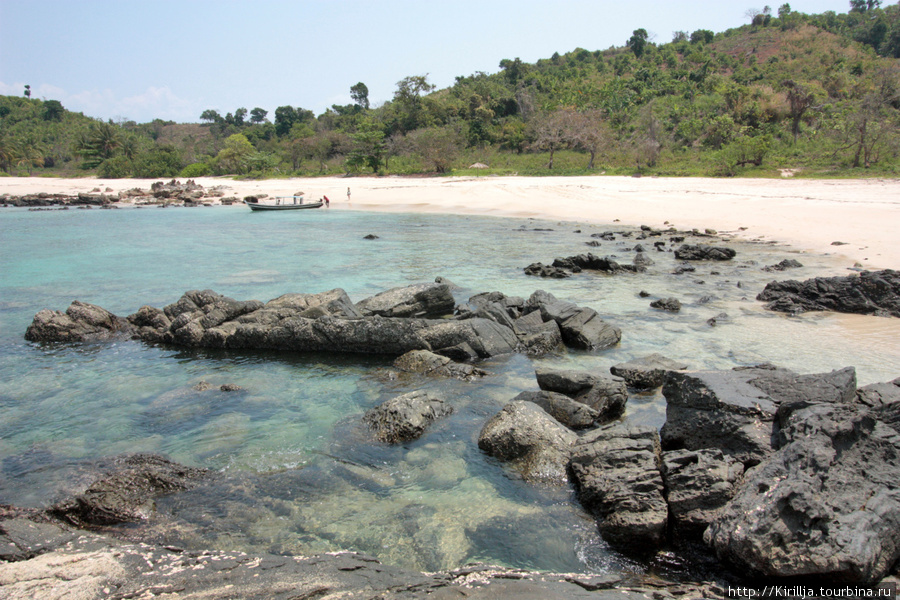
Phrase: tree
x=211 y=116
x=408 y=102
x=439 y=146
x=360 y=95
x=553 y=131
x=258 y=115
x=367 y=147
x=861 y=6
x=235 y=156
x=800 y=100
x=239 y=116
x=99 y=143
x=53 y=110
x=638 y=41
x=702 y=36
x=591 y=133
x=28 y=91
x=286 y=116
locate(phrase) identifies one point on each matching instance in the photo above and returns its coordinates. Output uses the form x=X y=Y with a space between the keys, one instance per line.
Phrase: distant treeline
x=819 y=94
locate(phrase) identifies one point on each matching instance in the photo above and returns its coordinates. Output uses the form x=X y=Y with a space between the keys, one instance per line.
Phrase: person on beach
x=348 y=194
x=327 y=201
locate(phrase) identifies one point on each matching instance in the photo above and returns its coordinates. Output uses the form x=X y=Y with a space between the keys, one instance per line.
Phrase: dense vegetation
x=819 y=94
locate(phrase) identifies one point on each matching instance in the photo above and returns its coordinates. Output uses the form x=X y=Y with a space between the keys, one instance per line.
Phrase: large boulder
x=428 y=363
x=607 y=396
x=868 y=293
x=569 y=412
x=879 y=394
x=698 y=484
x=581 y=327
x=616 y=471
x=82 y=322
x=424 y=300
x=826 y=504
x=734 y=411
x=533 y=442
x=405 y=418
x=647 y=372
x=125 y=493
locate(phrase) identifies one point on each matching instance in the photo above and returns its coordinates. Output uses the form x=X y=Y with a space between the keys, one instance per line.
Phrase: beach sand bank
x=808 y=215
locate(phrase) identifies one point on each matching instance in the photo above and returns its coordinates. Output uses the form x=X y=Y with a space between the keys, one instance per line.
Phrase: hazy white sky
x=172 y=59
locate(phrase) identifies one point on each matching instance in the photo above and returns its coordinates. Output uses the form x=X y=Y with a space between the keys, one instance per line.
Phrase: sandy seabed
x=809 y=215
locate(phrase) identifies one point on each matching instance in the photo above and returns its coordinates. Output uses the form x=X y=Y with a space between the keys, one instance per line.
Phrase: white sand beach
x=808 y=215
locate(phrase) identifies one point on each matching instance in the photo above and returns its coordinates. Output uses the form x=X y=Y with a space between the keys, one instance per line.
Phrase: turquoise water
x=294 y=471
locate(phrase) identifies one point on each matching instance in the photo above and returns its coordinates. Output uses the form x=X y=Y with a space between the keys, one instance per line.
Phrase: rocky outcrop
x=704 y=252
x=581 y=327
x=879 y=394
x=616 y=473
x=405 y=418
x=81 y=322
x=648 y=372
x=784 y=265
x=565 y=267
x=734 y=411
x=125 y=493
x=426 y=300
x=607 y=396
x=533 y=442
x=868 y=293
x=825 y=504
x=667 y=304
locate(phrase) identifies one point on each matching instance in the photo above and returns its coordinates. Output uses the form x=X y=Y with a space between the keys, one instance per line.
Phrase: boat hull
x=307 y=205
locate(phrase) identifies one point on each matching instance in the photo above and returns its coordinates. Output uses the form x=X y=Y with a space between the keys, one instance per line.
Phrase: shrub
x=195 y=170
x=117 y=167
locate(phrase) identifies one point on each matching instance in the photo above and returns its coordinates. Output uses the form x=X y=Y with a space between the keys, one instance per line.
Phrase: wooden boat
x=282 y=203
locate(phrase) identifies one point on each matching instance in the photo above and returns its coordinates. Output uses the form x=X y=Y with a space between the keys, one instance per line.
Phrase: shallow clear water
x=295 y=473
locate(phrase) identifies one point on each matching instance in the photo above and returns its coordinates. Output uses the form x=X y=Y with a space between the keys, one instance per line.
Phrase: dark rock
x=734 y=411
x=435 y=365
x=534 y=443
x=81 y=322
x=868 y=293
x=370 y=236
x=568 y=382
x=668 y=304
x=542 y=270
x=879 y=394
x=825 y=505
x=405 y=418
x=426 y=300
x=581 y=327
x=648 y=372
x=605 y=395
x=703 y=252
x=569 y=412
x=698 y=484
x=641 y=260
x=126 y=493
x=788 y=263
x=616 y=471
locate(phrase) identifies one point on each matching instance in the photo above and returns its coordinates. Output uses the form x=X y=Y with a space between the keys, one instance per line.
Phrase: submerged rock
x=126 y=493
x=704 y=252
x=868 y=293
x=533 y=442
x=435 y=365
x=405 y=418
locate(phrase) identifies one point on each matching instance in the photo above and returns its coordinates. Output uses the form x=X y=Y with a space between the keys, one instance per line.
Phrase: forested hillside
x=815 y=94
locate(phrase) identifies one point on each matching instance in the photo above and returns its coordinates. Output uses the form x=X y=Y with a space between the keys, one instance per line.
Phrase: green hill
x=815 y=94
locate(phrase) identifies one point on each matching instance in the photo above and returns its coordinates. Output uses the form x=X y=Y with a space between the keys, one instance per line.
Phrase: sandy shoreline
x=808 y=215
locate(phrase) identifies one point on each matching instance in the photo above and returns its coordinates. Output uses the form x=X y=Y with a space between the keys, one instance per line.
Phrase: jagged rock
x=126 y=493
x=879 y=394
x=605 y=395
x=734 y=411
x=788 y=263
x=703 y=252
x=542 y=270
x=698 y=484
x=536 y=445
x=668 y=304
x=641 y=261
x=825 y=505
x=569 y=412
x=616 y=472
x=82 y=322
x=334 y=302
x=648 y=372
x=868 y=293
x=581 y=327
x=424 y=300
x=405 y=418
x=435 y=365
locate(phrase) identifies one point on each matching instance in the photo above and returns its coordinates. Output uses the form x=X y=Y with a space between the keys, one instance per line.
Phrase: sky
x=142 y=60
